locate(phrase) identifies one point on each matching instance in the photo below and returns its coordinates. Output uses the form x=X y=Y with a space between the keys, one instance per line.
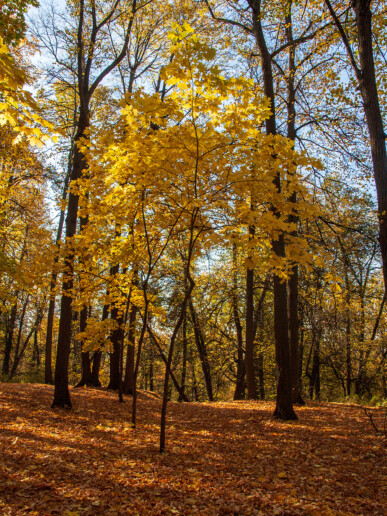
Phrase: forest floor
x=222 y=458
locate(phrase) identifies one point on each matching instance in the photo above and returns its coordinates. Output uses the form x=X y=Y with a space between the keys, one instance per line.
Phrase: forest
x=193 y=217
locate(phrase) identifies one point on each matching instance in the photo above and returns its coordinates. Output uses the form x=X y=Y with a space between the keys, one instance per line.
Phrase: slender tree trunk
x=314 y=378
x=284 y=402
x=34 y=329
x=187 y=297
x=10 y=330
x=35 y=359
x=95 y=381
x=260 y=362
x=139 y=350
x=61 y=393
x=201 y=346
x=240 y=387
x=366 y=78
x=300 y=358
x=129 y=369
x=368 y=88
x=151 y=386
x=348 y=356
x=116 y=338
x=251 y=381
x=184 y=365
x=19 y=336
x=261 y=376
x=51 y=308
x=85 y=355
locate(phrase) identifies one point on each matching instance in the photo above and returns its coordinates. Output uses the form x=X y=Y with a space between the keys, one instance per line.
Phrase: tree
x=363 y=68
x=90 y=34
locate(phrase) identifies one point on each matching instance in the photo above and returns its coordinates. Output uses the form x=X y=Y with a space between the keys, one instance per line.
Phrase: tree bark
x=366 y=77
x=240 y=386
x=284 y=402
x=128 y=385
x=202 y=350
x=51 y=308
x=251 y=381
x=61 y=393
x=10 y=330
x=184 y=365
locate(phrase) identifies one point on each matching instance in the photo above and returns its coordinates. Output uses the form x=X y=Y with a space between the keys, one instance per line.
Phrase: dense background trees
x=207 y=214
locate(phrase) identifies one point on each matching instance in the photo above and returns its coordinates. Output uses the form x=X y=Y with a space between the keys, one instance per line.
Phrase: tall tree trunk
x=116 y=338
x=19 y=336
x=201 y=346
x=260 y=362
x=366 y=77
x=85 y=355
x=348 y=356
x=95 y=381
x=368 y=88
x=300 y=356
x=10 y=330
x=129 y=369
x=251 y=381
x=239 y=393
x=261 y=375
x=35 y=359
x=187 y=298
x=151 y=386
x=61 y=393
x=182 y=395
x=33 y=330
x=284 y=401
x=314 y=376
x=51 y=308
x=293 y=218
x=184 y=365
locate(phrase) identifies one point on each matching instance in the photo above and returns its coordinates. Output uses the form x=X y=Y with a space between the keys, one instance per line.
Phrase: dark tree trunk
x=314 y=377
x=16 y=358
x=151 y=386
x=300 y=400
x=35 y=359
x=187 y=296
x=251 y=381
x=85 y=355
x=94 y=380
x=51 y=308
x=139 y=350
x=240 y=386
x=10 y=330
x=368 y=88
x=348 y=357
x=284 y=402
x=129 y=369
x=116 y=338
x=61 y=393
x=201 y=346
x=19 y=354
x=293 y=218
x=366 y=78
x=261 y=376
x=184 y=365
x=182 y=395
x=260 y=322
x=86 y=86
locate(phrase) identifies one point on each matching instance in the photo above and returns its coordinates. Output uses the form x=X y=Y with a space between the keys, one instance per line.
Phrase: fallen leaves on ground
x=222 y=458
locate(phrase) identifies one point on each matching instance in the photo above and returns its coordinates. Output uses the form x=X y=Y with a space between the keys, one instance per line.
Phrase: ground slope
x=222 y=458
